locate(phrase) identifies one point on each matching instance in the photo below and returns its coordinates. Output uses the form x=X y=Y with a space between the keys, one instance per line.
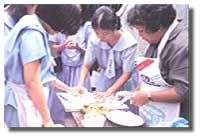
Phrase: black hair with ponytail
x=105 y=18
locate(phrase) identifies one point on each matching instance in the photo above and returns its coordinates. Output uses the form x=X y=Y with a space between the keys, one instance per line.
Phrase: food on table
x=95 y=107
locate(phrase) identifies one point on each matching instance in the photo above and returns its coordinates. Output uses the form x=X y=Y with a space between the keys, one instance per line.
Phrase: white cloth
x=110 y=69
x=28 y=115
x=156 y=112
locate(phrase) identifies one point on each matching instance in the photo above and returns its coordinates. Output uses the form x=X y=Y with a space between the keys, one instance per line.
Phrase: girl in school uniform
x=71 y=48
x=28 y=71
x=71 y=54
x=114 y=50
x=72 y=57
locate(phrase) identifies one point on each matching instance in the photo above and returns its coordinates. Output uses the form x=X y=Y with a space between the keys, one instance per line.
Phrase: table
x=74 y=119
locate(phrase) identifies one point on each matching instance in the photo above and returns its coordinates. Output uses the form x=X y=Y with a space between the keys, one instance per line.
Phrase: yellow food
x=95 y=108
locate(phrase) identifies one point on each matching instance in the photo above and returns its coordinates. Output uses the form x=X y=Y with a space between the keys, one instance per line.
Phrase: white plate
x=124 y=118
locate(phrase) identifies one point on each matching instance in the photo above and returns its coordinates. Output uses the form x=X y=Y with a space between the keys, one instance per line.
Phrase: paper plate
x=124 y=118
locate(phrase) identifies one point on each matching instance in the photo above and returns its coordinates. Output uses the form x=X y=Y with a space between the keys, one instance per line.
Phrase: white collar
x=125 y=41
x=166 y=37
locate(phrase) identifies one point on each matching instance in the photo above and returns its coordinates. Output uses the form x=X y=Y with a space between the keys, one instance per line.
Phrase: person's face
x=151 y=38
x=104 y=35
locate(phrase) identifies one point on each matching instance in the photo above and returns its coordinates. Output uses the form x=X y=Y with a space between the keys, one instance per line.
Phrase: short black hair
x=151 y=16
x=60 y=17
x=105 y=18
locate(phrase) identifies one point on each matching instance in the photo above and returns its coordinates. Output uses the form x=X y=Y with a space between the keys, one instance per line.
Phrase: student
x=59 y=43
x=114 y=51
x=28 y=70
x=164 y=92
x=73 y=55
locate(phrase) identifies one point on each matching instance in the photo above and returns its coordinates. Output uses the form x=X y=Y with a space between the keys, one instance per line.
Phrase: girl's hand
x=70 y=44
x=77 y=90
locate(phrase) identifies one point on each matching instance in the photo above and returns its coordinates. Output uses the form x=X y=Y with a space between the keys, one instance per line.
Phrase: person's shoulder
x=31 y=35
x=179 y=37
